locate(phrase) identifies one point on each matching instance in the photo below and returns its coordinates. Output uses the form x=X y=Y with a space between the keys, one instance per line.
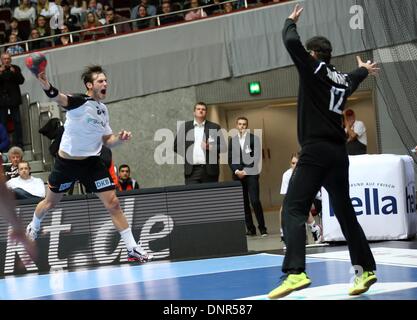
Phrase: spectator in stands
x=125 y=181
x=15 y=156
x=38 y=44
x=171 y=18
x=46 y=8
x=223 y=8
x=196 y=13
x=64 y=39
x=146 y=23
x=78 y=8
x=25 y=12
x=42 y=26
x=228 y=7
x=25 y=186
x=150 y=9
x=355 y=133
x=111 y=17
x=4 y=142
x=101 y=13
x=92 y=6
x=91 y=22
x=251 y=3
x=10 y=97
x=71 y=20
x=14 y=49
x=14 y=29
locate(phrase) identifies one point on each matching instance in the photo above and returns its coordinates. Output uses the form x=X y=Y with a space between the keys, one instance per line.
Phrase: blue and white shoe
x=138 y=254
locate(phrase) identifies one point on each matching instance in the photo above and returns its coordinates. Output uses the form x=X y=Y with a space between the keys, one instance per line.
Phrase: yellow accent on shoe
x=362 y=283
x=292 y=283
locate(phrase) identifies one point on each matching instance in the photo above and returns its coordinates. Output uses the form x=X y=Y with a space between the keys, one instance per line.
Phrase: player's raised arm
x=51 y=91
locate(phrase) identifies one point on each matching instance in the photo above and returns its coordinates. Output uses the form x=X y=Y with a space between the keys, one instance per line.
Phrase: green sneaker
x=362 y=283
x=292 y=283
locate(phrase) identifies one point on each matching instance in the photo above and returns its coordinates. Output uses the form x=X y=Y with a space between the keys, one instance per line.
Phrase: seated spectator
x=101 y=13
x=25 y=186
x=46 y=8
x=14 y=49
x=42 y=26
x=196 y=13
x=150 y=9
x=71 y=20
x=15 y=156
x=251 y=3
x=112 y=17
x=146 y=23
x=65 y=38
x=92 y=6
x=38 y=44
x=227 y=7
x=223 y=8
x=169 y=18
x=92 y=23
x=25 y=12
x=14 y=29
x=125 y=181
x=4 y=142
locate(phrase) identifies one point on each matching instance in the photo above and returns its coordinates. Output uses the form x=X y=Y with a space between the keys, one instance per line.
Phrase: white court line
x=383 y=255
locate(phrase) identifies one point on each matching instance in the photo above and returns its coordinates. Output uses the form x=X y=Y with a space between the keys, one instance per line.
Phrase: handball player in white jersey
x=86 y=130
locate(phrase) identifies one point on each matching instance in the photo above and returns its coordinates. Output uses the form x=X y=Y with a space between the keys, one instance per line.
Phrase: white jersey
x=286 y=181
x=286 y=177
x=87 y=121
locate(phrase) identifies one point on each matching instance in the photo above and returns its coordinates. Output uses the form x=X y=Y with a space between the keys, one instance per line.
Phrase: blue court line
x=331 y=280
x=32 y=286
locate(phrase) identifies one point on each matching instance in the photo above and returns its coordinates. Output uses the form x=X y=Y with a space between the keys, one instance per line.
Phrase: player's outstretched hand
x=43 y=80
x=125 y=135
x=371 y=66
x=295 y=14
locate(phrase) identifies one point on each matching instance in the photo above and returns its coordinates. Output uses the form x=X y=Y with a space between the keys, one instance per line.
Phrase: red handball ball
x=36 y=63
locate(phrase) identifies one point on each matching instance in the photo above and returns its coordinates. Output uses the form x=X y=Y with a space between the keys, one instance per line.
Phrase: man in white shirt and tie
x=200 y=142
x=244 y=161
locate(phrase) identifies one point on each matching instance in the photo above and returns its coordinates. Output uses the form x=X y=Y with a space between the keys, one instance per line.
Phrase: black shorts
x=91 y=172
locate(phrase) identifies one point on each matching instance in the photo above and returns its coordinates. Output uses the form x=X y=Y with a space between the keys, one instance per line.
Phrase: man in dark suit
x=10 y=97
x=244 y=160
x=200 y=142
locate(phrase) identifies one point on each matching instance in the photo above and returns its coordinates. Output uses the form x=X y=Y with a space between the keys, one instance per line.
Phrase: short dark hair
x=321 y=46
x=200 y=104
x=124 y=166
x=242 y=118
x=89 y=72
x=24 y=161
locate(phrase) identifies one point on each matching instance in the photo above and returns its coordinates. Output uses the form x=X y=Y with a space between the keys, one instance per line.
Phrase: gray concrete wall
x=143 y=116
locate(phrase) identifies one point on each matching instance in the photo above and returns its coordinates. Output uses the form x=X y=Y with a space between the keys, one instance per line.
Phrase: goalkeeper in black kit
x=323 y=160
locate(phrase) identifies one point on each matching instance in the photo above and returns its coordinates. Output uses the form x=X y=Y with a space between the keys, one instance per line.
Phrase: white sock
x=36 y=222
x=128 y=239
x=312 y=225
